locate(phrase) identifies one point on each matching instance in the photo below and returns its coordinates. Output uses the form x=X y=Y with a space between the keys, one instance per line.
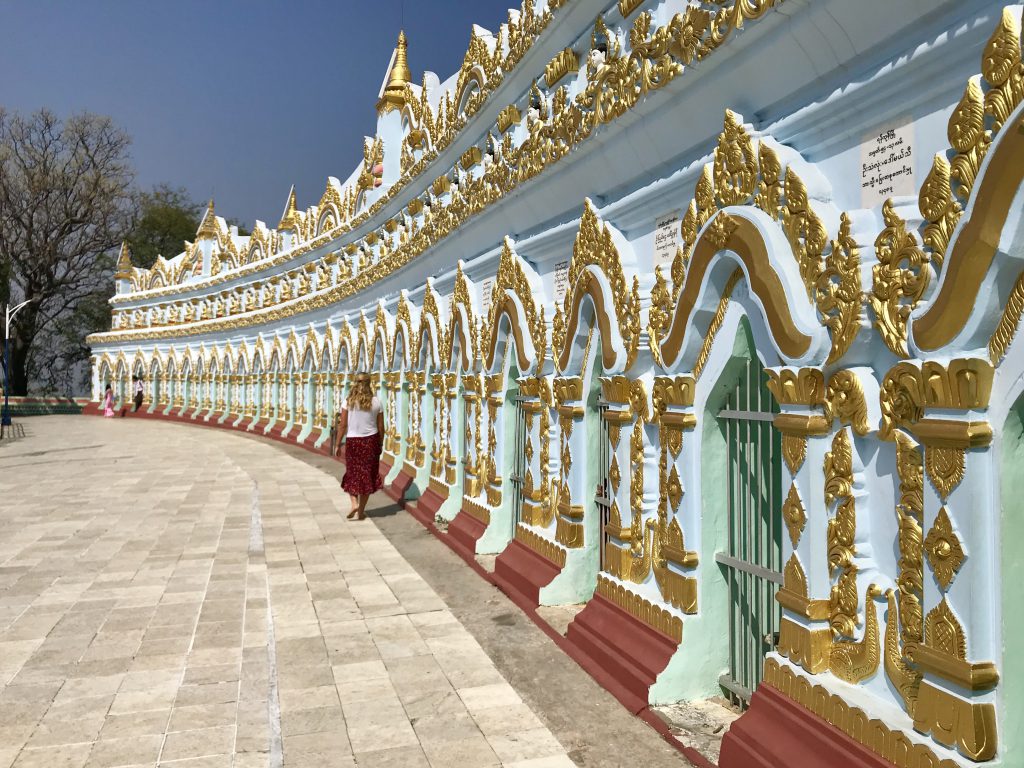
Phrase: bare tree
x=66 y=202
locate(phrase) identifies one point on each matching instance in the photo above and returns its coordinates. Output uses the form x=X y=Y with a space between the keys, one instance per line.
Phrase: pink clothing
x=108 y=405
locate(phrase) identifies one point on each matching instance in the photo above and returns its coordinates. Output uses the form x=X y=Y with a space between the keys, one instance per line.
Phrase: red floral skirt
x=362 y=465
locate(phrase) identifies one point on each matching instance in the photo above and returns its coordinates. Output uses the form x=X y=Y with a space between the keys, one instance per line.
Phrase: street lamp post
x=9 y=313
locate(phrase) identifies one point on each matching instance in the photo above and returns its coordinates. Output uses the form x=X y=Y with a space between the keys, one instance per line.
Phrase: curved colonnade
x=777 y=421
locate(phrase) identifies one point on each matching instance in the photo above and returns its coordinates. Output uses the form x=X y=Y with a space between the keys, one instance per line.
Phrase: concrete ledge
x=520 y=570
x=614 y=643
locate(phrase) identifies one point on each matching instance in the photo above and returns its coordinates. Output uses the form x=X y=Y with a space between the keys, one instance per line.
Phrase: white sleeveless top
x=363 y=423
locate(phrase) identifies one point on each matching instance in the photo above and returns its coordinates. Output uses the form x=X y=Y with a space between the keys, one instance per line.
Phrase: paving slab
x=178 y=596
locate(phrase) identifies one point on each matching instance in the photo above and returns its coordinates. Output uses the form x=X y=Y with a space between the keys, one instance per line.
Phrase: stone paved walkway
x=187 y=597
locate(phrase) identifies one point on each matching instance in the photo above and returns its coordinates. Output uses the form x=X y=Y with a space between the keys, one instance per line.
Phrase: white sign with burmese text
x=487 y=287
x=667 y=238
x=887 y=164
x=561 y=281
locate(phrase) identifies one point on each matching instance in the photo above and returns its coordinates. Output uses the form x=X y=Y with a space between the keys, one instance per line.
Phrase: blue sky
x=234 y=98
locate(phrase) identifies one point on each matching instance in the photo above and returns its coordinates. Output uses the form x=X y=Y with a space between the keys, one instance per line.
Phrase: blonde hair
x=360 y=397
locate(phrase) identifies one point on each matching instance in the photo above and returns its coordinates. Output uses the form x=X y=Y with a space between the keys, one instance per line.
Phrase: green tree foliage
x=168 y=217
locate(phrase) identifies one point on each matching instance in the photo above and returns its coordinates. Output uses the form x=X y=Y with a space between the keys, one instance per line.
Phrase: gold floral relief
x=968 y=726
x=945 y=553
x=838 y=293
x=844 y=400
x=794 y=451
x=674 y=489
x=804 y=230
x=910 y=514
x=944 y=632
x=793 y=514
x=839 y=468
x=735 y=167
x=841 y=532
x=899 y=280
x=945 y=467
x=843 y=604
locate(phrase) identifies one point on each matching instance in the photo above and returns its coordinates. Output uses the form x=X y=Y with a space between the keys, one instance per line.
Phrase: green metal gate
x=517 y=477
x=603 y=492
x=752 y=565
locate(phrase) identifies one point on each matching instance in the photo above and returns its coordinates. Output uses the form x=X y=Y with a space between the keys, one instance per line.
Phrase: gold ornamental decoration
x=962 y=384
x=897 y=289
x=716 y=323
x=900 y=670
x=1009 y=322
x=794 y=451
x=945 y=467
x=511 y=278
x=694 y=33
x=837 y=291
x=735 y=167
x=995 y=93
x=565 y=63
x=594 y=247
x=645 y=611
x=855 y=662
x=844 y=400
x=793 y=514
x=945 y=553
x=463 y=322
x=839 y=469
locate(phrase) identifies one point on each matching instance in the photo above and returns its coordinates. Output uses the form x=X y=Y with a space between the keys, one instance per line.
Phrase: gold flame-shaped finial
x=290 y=217
x=124 y=262
x=398 y=78
x=208 y=226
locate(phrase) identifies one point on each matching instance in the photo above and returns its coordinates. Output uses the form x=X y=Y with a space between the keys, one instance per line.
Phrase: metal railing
x=752 y=564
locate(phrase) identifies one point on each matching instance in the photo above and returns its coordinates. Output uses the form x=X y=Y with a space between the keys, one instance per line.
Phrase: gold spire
x=208 y=226
x=124 y=263
x=290 y=217
x=398 y=78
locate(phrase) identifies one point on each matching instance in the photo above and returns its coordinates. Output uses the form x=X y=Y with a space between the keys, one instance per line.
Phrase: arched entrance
x=740 y=437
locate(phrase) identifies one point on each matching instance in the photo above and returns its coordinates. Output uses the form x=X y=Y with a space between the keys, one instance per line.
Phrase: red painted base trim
x=396 y=490
x=520 y=570
x=463 y=533
x=616 y=644
x=426 y=506
x=776 y=733
x=385 y=464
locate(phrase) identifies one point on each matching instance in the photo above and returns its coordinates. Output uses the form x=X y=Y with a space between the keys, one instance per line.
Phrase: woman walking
x=108 y=403
x=362 y=428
